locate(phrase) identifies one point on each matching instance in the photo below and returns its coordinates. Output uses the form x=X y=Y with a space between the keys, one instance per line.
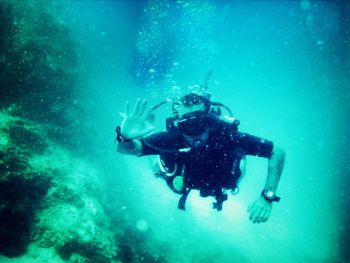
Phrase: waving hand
x=138 y=122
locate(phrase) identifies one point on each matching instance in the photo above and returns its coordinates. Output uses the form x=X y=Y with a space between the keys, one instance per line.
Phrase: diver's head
x=193 y=119
x=193 y=102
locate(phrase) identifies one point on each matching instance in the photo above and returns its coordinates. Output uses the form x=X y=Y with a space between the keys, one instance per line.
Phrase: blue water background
x=281 y=66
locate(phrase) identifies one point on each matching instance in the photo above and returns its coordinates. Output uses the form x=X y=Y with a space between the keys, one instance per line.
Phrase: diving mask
x=194 y=123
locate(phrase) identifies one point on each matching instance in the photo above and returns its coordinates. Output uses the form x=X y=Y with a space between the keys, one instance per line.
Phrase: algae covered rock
x=48 y=197
x=22 y=188
x=52 y=200
x=38 y=64
x=73 y=221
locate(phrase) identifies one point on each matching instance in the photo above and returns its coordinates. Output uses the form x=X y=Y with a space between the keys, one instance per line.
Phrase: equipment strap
x=182 y=202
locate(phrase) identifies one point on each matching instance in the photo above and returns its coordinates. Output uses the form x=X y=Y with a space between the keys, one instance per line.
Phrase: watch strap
x=120 y=137
x=275 y=198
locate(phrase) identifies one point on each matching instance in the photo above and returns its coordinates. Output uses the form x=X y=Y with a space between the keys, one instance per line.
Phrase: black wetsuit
x=213 y=167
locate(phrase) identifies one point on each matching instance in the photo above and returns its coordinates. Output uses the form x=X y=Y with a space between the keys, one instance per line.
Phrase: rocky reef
x=48 y=197
x=38 y=65
x=53 y=199
x=46 y=200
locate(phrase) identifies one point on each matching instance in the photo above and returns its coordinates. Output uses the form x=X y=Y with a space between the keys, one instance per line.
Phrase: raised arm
x=135 y=125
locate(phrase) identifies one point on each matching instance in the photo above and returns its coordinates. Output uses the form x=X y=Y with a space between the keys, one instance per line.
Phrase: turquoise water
x=283 y=69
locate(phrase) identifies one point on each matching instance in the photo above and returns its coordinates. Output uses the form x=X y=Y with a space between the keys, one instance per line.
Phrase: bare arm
x=275 y=167
x=260 y=210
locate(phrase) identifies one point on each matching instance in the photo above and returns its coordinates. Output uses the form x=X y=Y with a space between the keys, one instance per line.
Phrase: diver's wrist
x=120 y=137
x=270 y=195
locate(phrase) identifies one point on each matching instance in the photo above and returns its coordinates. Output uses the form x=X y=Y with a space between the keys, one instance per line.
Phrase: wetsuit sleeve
x=157 y=142
x=252 y=145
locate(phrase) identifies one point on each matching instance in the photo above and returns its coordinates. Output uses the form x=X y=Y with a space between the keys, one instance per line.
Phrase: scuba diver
x=201 y=149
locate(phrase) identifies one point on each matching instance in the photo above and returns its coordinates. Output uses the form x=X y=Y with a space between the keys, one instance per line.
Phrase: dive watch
x=270 y=195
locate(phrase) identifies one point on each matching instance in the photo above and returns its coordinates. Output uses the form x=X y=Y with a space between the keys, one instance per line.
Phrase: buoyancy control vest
x=172 y=168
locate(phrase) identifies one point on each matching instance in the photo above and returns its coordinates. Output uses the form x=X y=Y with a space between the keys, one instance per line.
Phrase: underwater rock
x=48 y=197
x=38 y=65
x=21 y=187
x=136 y=246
